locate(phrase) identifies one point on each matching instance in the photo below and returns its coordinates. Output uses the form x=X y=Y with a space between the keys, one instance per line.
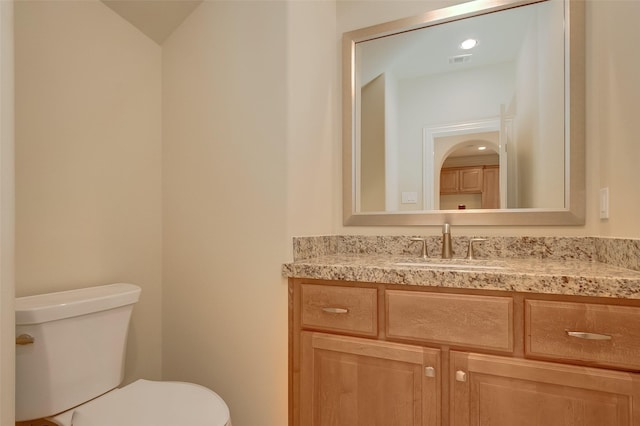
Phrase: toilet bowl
x=146 y=402
x=70 y=350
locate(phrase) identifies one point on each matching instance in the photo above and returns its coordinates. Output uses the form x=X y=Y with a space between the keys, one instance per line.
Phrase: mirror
x=417 y=105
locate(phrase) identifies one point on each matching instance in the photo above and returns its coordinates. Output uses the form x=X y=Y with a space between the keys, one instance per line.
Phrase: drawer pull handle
x=430 y=372
x=588 y=336
x=335 y=310
x=461 y=376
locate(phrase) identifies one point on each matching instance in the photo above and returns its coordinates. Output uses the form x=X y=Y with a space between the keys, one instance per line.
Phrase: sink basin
x=455 y=264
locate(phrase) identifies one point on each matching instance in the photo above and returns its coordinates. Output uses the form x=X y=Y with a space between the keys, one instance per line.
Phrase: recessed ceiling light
x=482 y=148
x=469 y=43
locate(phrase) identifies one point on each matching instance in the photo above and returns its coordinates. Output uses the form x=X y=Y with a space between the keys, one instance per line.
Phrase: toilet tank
x=79 y=340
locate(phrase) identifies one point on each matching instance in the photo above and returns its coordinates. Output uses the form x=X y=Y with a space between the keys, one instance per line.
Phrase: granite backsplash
x=615 y=251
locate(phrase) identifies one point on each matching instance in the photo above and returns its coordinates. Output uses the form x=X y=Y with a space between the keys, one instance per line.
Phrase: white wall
x=225 y=206
x=526 y=117
x=444 y=99
x=392 y=169
x=7 y=331
x=88 y=156
x=539 y=112
x=549 y=161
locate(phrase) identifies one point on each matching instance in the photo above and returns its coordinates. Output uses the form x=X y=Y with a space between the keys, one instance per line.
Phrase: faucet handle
x=424 y=246
x=470 y=253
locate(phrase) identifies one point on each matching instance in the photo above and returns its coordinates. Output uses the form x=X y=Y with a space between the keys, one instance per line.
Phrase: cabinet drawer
x=348 y=309
x=598 y=334
x=484 y=322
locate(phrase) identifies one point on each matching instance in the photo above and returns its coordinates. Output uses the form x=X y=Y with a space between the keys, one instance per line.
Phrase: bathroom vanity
x=384 y=340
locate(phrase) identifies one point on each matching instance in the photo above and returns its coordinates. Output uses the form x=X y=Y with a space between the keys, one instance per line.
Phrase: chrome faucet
x=424 y=246
x=447 y=252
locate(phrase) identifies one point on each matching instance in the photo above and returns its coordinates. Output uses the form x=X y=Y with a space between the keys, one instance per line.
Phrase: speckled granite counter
x=552 y=275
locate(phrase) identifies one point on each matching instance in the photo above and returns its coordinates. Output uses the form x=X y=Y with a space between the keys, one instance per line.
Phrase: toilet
x=70 y=349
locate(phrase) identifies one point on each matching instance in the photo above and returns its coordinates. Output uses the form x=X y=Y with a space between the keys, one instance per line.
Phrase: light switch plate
x=604 y=203
x=409 y=197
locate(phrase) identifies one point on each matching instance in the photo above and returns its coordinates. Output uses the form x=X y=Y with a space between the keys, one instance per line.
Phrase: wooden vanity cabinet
x=383 y=355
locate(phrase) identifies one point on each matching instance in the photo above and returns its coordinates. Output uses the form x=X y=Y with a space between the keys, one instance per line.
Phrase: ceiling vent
x=459 y=59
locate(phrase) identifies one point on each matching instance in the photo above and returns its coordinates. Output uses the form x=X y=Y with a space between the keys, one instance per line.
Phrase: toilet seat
x=150 y=403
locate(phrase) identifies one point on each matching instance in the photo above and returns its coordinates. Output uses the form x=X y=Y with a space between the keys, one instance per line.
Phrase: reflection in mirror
x=424 y=88
x=418 y=80
x=469 y=176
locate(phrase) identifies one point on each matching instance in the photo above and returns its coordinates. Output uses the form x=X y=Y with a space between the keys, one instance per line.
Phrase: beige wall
x=88 y=155
x=372 y=166
x=224 y=210
x=312 y=119
x=7 y=332
x=613 y=93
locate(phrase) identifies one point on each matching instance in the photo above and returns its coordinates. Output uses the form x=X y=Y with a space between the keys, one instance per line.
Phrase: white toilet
x=70 y=349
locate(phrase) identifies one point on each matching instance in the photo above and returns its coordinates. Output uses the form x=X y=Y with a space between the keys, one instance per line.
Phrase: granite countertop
x=569 y=277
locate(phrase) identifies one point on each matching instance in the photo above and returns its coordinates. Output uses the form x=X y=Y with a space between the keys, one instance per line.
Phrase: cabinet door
x=349 y=381
x=470 y=180
x=497 y=391
x=449 y=181
x=491 y=187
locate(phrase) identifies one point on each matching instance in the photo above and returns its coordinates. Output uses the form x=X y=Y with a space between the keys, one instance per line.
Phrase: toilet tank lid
x=66 y=304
